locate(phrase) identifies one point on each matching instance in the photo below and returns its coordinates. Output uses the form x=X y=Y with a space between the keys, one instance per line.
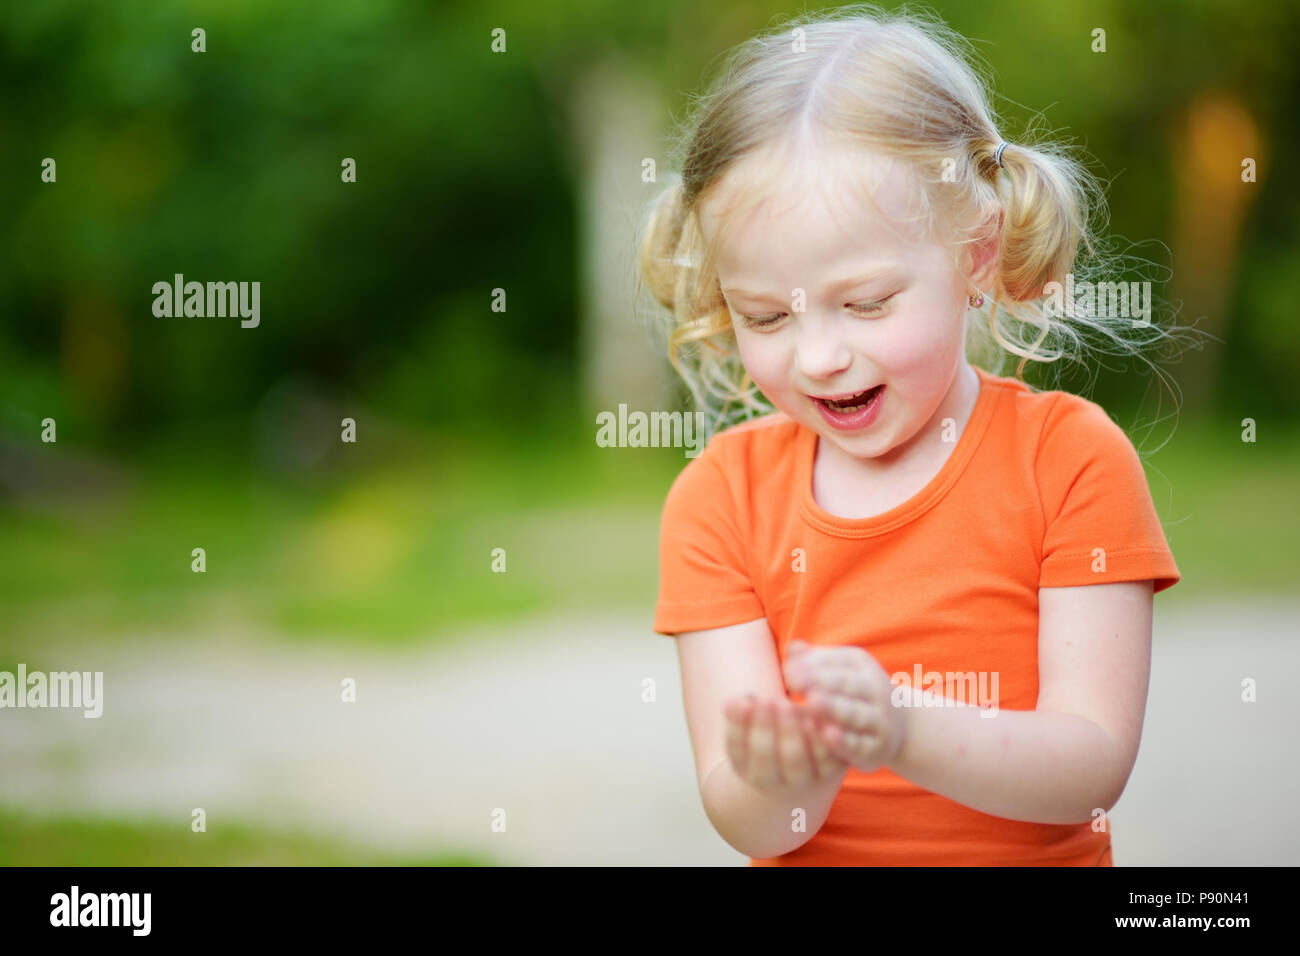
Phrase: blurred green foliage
x=225 y=165
x=402 y=551
x=397 y=551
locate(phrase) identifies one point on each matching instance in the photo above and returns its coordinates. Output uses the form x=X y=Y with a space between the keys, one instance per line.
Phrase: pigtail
x=1046 y=214
x=659 y=254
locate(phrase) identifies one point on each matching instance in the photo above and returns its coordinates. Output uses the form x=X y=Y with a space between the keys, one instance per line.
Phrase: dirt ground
x=543 y=725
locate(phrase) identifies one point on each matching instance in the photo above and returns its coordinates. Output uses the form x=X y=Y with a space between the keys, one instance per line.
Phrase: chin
x=863 y=446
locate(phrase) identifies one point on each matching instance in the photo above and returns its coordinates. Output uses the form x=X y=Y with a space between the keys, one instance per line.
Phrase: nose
x=820 y=351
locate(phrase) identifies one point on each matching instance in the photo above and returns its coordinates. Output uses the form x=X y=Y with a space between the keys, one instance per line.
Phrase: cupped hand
x=849 y=694
x=775 y=745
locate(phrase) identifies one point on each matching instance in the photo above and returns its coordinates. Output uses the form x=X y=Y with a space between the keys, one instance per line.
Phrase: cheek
x=764 y=360
x=931 y=330
x=929 y=339
x=921 y=349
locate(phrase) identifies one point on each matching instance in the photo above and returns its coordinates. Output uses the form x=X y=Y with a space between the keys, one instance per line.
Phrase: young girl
x=913 y=604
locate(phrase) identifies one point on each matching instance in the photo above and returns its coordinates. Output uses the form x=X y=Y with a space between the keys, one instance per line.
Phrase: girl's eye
x=865 y=308
x=871 y=308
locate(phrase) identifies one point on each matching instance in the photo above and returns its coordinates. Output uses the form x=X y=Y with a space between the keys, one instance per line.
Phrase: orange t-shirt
x=948 y=580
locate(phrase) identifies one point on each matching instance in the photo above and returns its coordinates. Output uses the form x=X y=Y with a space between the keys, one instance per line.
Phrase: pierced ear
x=983 y=252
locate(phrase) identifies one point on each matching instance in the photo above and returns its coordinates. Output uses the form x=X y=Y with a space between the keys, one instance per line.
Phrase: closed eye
x=871 y=308
x=758 y=321
x=863 y=308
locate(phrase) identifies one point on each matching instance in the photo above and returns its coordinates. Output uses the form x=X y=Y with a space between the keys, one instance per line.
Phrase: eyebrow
x=884 y=270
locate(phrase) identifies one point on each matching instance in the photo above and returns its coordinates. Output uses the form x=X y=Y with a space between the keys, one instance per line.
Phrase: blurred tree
x=479 y=170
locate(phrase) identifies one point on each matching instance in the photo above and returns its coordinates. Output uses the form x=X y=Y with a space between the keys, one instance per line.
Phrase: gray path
x=546 y=722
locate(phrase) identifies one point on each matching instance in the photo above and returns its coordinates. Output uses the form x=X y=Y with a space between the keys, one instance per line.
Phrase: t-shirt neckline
x=919 y=503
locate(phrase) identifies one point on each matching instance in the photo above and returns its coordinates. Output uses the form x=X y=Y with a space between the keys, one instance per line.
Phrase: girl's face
x=882 y=304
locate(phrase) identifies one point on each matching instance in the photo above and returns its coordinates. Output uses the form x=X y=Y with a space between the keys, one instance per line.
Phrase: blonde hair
x=900 y=85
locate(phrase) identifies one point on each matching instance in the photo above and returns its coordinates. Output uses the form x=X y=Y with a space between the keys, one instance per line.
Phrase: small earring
x=976 y=300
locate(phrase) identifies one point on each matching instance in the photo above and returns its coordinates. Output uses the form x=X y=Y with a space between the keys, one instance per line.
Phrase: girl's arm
x=726 y=662
x=1075 y=751
x=760 y=824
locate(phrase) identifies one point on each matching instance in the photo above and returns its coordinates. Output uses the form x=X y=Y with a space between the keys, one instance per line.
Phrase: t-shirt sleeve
x=703 y=576
x=1100 y=523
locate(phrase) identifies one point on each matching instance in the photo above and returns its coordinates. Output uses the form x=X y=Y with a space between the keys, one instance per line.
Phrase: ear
x=980 y=258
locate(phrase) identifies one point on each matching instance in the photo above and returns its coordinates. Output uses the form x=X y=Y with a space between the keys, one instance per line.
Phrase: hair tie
x=997 y=156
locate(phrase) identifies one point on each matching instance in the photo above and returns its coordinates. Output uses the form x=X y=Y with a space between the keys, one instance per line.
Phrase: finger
x=832 y=737
x=844 y=681
x=811 y=727
x=798 y=676
x=861 y=746
x=853 y=714
x=815 y=660
x=795 y=758
x=836 y=739
x=797 y=646
x=819 y=707
x=763 y=765
x=824 y=762
x=807 y=720
x=738 y=714
x=833 y=708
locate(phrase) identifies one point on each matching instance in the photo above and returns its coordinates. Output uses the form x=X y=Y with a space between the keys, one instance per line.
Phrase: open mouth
x=854 y=402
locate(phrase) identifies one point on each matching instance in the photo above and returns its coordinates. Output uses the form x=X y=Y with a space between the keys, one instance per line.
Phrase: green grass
x=396 y=551
x=29 y=840
x=1229 y=509
x=398 y=546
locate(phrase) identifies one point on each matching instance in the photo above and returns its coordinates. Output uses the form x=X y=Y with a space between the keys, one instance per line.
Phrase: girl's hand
x=849 y=693
x=774 y=745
